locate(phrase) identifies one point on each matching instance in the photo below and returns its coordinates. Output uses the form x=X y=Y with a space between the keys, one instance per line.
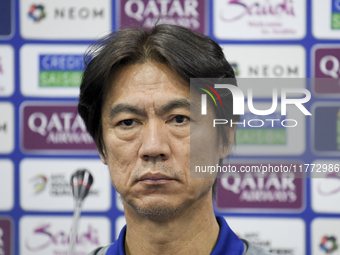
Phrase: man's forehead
x=149 y=74
x=143 y=81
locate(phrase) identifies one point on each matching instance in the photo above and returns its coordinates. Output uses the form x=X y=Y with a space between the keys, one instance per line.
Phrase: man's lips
x=155 y=178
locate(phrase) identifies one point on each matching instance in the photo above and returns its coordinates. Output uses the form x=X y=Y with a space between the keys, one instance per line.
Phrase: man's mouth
x=155 y=179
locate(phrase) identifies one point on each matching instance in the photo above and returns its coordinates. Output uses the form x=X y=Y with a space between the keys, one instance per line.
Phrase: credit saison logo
x=36 y=12
x=60 y=70
x=335 y=14
x=270 y=122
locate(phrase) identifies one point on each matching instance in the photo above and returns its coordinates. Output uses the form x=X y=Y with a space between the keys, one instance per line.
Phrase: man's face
x=146 y=134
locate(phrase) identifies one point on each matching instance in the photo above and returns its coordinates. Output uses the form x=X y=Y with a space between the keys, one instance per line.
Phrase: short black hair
x=188 y=53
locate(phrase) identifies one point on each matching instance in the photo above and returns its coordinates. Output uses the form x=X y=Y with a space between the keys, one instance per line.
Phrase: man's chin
x=157 y=210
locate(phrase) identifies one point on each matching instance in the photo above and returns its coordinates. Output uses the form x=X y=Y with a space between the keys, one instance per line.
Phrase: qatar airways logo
x=139 y=9
x=238 y=105
x=237 y=9
x=330 y=66
x=49 y=126
x=146 y=13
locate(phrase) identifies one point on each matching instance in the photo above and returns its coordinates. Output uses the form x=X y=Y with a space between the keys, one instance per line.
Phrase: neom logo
x=38 y=13
x=83 y=13
x=276 y=70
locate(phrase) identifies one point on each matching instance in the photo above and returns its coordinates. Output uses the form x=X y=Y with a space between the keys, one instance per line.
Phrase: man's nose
x=154 y=142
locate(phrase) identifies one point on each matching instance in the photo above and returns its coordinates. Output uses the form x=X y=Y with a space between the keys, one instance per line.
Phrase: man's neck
x=191 y=231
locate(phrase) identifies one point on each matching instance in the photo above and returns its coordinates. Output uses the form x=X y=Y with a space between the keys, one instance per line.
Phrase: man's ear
x=225 y=148
x=102 y=153
x=103 y=157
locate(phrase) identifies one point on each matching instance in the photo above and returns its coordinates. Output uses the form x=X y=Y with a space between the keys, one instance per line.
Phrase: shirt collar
x=227 y=243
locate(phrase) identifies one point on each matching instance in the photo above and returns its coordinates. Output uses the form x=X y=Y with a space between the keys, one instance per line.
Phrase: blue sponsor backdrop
x=325 y=137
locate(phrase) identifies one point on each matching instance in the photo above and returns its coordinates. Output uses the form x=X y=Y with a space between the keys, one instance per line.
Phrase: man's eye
x=127 y=123
x=180 y=118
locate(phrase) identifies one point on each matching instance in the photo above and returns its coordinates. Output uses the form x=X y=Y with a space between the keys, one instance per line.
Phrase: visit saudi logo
x=204 y=97
x=60 y=70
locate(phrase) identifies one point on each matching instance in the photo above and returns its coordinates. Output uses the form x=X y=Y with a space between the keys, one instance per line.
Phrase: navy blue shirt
x=227 y=243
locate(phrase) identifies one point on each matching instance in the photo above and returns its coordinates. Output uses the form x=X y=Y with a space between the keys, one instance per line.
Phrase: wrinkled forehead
x=147 y=81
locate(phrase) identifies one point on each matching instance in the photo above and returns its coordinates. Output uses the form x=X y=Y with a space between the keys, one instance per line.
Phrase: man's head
x=134 y=100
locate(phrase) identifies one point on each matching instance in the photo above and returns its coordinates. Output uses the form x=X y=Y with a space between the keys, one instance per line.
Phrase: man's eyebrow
x=174 y=104
x=126 y=108
x=120 y=108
